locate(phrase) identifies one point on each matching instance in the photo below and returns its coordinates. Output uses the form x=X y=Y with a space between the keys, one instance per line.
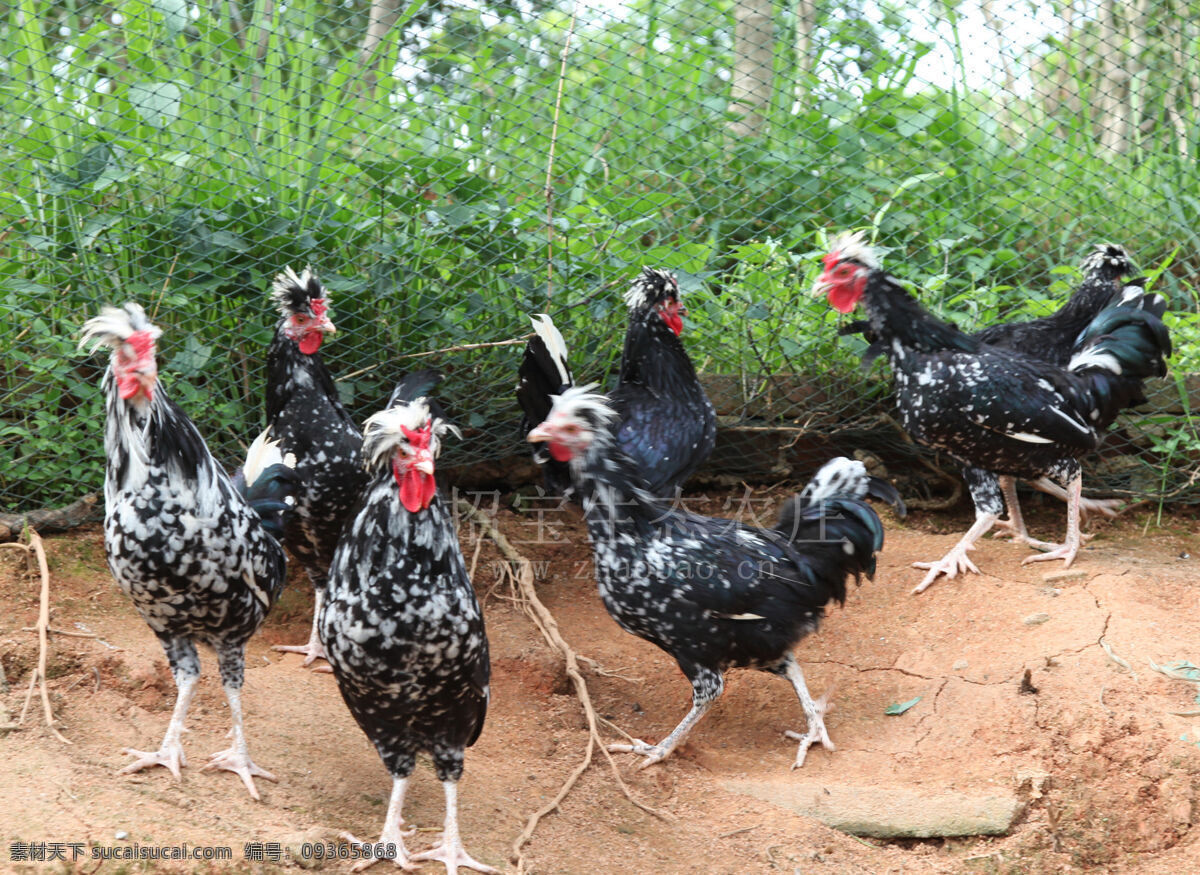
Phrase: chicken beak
x=540 y=434
x=326 y=325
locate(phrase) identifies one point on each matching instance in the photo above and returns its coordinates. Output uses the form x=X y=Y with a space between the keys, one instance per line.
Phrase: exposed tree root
x=37 y=678
x=520 y=572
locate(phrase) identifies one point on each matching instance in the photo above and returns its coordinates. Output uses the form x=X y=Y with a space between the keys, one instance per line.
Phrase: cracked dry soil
x=1027 y=686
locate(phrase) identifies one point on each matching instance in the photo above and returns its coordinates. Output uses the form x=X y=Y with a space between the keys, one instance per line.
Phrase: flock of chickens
x=201 y=553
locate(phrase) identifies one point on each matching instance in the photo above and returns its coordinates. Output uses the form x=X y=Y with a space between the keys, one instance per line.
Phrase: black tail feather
x=1125 y=344
x=830 y=510
x=418 y=384
x=271 y=495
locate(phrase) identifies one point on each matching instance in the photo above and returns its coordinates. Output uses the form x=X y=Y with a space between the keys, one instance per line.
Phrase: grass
x=166 y=161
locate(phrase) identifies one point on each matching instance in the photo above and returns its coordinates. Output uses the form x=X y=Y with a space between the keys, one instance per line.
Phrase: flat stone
x=1069 y=574
x=1036 y=619
x=889 y=812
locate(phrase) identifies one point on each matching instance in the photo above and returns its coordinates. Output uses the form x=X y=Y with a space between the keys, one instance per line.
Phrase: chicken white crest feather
x=637 y=295
x=383 y=432
x=583 y=402
x=854 y=246
x=292 y=291
x=115 y=325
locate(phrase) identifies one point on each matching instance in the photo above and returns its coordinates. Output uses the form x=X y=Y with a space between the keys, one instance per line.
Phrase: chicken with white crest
x=714 y=593
x=999 y=411
x=665 y=421
x=195 y=550
x=402 y=629
x=308 y=418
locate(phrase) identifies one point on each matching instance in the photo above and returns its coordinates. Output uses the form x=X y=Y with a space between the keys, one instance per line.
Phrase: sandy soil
x=1106 y=755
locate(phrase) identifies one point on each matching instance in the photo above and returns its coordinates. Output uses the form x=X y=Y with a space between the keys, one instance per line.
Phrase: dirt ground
x=1105 y=754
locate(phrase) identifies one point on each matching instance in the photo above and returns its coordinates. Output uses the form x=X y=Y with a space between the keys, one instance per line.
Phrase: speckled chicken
x=666 y=423
x=308 y=419
x=1052 y=339
x=999 y=411
x=714 y=593
x=189 y=547
x=401 y=626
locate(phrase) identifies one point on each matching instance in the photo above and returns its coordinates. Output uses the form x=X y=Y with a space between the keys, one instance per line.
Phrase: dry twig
x=521 y=572
x=462 y=347
x=54 y=631
x=38 y=677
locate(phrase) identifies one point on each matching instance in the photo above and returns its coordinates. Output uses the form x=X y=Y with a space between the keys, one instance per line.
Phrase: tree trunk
x=382 y=16
x=1111 y=108
x=753 y=56
x=806 y=24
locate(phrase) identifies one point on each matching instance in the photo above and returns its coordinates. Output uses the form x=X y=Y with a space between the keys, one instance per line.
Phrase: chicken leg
x=236 y=758
x=814 y=713
x=707 y=686
x=956 y=560
x=170 y=752
x=1108 y=507
x=1014 y=526
x=1069 y=548
x=448 y=849
x=314 y=649
x=392 y=833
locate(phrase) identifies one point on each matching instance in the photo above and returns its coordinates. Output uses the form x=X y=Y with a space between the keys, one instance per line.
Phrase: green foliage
x=161 y=152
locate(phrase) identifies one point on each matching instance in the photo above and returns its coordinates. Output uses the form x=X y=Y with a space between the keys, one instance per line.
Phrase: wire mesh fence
x=450 y=168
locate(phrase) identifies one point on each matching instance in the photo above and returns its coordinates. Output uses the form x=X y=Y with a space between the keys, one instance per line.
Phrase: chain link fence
x=449 y=168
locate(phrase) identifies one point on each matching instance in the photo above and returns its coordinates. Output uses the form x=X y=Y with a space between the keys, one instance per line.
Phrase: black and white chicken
x=1052 y=339
x=192 y=548
x=714 y=593
x=401 y=626
x=999 y=411
x=309 y=420
x=666 y=423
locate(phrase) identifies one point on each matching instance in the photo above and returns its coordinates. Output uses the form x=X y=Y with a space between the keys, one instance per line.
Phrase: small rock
x=960 y=665
x=120 y=835
x=1036 y=619
x=1072 y=574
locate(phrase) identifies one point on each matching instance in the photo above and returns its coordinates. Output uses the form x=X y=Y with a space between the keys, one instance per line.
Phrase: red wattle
x=842 y=298
x=128 y=387
x=416 y=490
x=671 y=315
x=311 y=342
x=844 y=292
x=559 y=452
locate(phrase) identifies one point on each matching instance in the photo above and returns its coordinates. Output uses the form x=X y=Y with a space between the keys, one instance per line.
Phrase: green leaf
x=174 y=13
x=901 y=708
x=190 y=360
x=158 y=103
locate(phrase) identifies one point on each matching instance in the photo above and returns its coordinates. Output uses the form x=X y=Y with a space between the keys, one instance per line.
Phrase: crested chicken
x=999 y=411
x=714 y=593
x=665 y=423
x=309 y=420
x=195 y=550
x=401 y=626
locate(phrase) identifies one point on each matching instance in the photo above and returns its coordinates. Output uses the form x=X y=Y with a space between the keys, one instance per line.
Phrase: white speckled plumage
x=715 y=594
x=402 y=629
x=182 y=542
x=308 y=419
